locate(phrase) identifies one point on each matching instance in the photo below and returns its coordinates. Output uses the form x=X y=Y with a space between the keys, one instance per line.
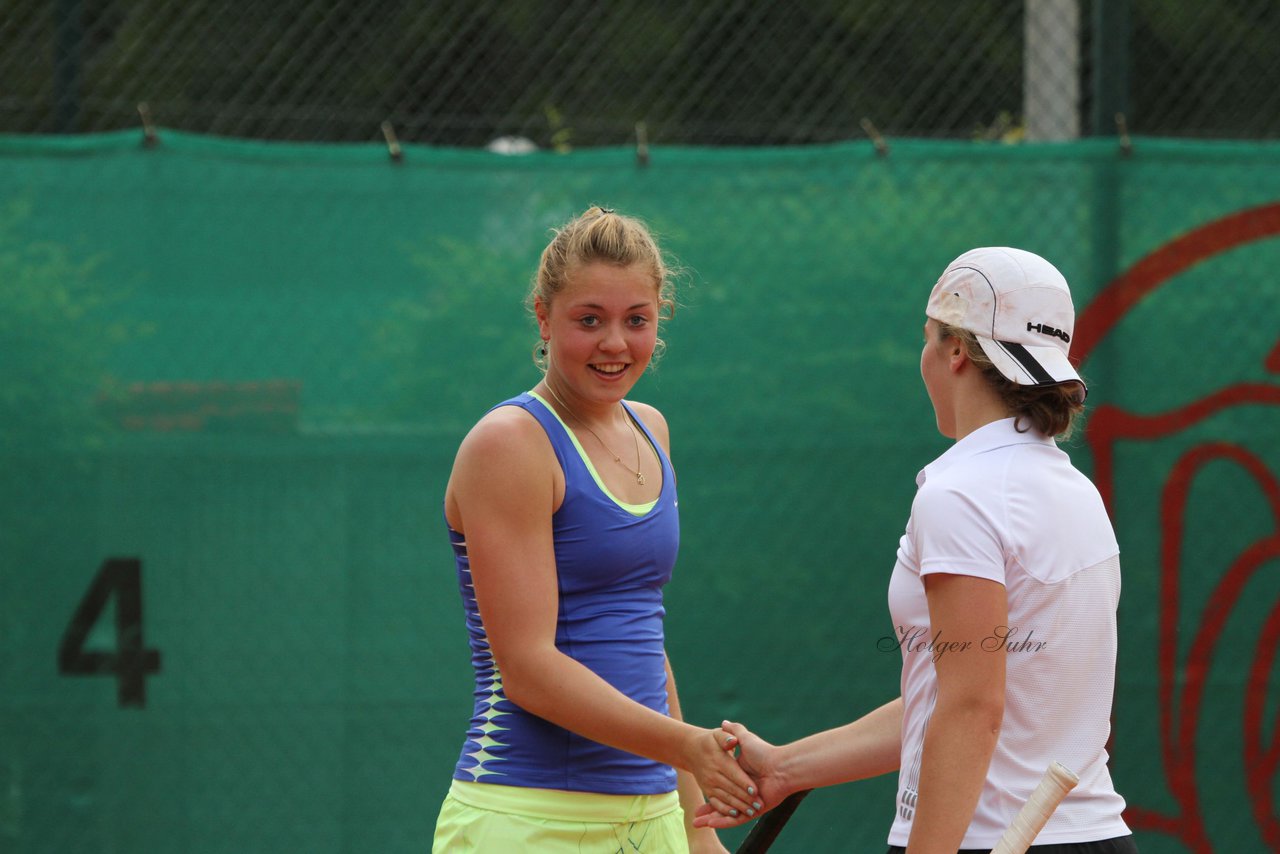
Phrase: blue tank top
x=611 y=564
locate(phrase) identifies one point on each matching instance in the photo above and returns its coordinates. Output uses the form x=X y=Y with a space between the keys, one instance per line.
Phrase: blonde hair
x=601 y=235
x=1051 y=409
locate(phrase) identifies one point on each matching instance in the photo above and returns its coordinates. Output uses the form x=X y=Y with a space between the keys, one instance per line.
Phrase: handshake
x=739 y=775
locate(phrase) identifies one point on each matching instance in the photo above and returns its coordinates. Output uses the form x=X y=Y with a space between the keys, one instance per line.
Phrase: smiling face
x=602 y=328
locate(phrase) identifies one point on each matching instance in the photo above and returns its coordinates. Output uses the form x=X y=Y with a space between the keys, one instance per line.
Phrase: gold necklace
x=617 y=459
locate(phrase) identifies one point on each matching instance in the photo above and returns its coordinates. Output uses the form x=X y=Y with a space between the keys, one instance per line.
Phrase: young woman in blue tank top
x=561 y=509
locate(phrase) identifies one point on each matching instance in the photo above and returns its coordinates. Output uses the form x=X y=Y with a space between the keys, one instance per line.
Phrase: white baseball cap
x=1018 y=306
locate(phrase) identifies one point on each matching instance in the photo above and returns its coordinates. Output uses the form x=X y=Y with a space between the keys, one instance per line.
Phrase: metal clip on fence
x=882 y=147
x=150 y=139
x=393 y=144
x=642 y=145
x=1122 y=126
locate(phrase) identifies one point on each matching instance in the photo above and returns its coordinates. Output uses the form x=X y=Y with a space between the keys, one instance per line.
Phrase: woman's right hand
x=756 y=758
x=730 y=791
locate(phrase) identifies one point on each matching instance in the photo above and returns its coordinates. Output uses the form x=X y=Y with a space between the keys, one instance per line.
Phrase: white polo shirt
x=1011 y=508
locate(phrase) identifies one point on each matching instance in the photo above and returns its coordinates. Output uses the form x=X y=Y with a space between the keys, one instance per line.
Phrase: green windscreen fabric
x=233 y=376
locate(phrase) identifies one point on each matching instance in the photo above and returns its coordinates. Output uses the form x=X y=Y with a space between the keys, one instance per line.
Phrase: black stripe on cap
x=1028 y=362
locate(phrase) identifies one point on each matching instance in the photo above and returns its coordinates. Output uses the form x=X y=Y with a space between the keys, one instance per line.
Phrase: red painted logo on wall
x=1182 y=683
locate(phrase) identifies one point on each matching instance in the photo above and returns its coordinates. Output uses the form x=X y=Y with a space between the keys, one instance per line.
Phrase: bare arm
x=965 y=723
x=867 y=747
x=502 y=494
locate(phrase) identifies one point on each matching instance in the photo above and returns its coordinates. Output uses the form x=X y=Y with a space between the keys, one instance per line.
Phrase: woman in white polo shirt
x=1003 y=596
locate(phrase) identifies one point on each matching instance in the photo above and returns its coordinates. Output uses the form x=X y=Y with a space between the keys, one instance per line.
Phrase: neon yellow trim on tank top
x=633 y=509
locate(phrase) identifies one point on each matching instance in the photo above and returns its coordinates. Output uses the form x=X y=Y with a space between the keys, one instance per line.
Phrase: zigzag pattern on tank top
x=490 y=681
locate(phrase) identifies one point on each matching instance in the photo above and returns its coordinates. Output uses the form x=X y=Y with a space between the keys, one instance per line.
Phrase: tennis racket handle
x=770 y=824
x=1057 y=781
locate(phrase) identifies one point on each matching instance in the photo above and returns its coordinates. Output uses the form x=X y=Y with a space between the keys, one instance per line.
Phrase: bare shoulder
x=504 y=437
x=655 y=421
x=505 y=468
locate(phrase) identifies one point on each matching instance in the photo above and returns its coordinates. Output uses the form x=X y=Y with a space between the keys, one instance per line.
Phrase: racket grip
x=770 y=824
x=1057 y=781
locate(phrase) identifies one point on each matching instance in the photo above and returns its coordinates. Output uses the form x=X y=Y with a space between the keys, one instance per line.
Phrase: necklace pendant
x=639 y=478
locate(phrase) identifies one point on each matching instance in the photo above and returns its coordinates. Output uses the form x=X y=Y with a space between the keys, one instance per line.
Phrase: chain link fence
x=584 y=73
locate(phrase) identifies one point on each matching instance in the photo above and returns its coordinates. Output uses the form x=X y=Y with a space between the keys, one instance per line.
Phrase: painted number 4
x=131 y=662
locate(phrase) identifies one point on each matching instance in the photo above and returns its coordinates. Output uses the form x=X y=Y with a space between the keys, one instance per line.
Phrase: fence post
x=67 y=65
x=1051 y=70
x=1110 y=64
x=1110 y=81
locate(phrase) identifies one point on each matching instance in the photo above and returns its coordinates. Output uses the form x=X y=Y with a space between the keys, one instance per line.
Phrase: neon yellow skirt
x=481 y=818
